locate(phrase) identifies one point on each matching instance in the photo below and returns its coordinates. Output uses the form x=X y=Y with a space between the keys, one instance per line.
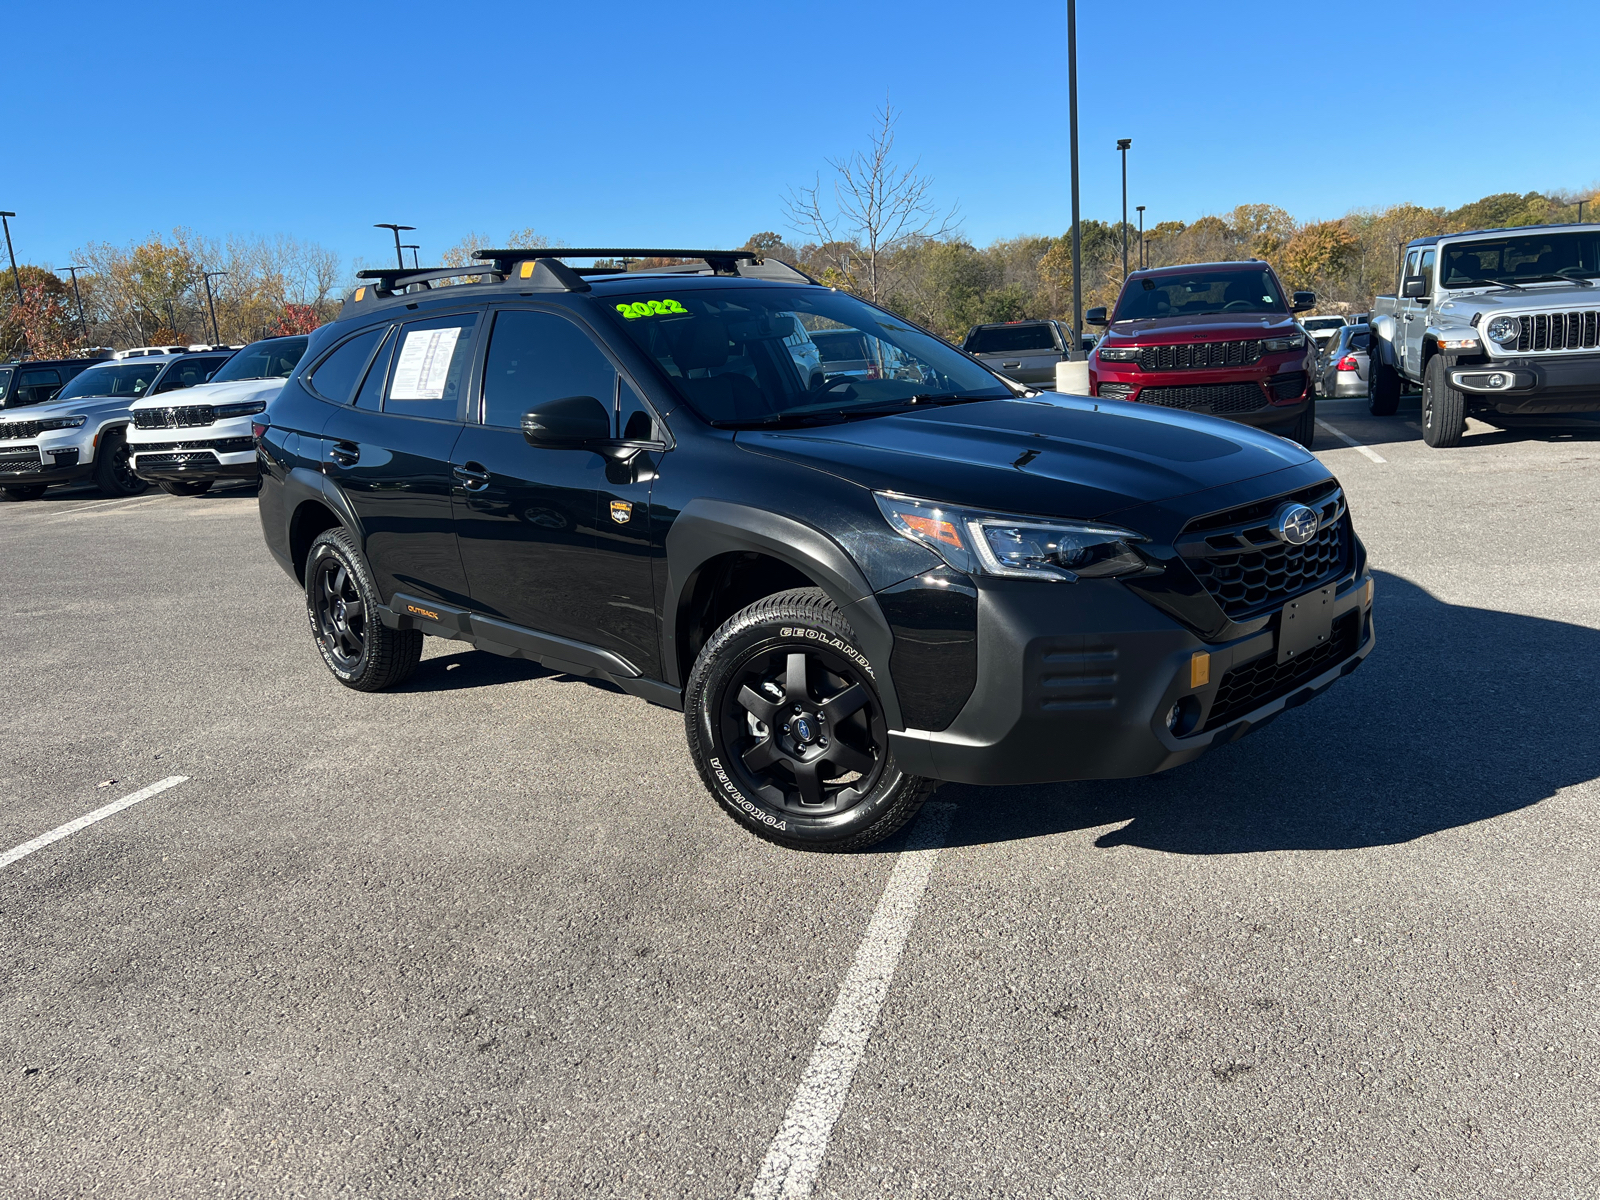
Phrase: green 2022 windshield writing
x=650 y=308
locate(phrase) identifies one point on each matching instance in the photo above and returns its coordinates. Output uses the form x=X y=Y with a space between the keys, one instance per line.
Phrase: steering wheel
x=1238 y=306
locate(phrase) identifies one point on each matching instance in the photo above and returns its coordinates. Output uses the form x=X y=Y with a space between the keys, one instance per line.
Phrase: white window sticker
x=424 y=364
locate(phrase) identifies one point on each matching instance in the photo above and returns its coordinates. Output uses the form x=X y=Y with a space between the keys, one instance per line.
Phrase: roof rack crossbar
x=392 y=279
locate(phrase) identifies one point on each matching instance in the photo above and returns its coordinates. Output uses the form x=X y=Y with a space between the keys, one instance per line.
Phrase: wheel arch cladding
x=310 y=518
x=707 y=532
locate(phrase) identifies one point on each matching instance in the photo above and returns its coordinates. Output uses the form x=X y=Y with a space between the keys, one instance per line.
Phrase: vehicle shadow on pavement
x=1458 y=715
x=470 y=668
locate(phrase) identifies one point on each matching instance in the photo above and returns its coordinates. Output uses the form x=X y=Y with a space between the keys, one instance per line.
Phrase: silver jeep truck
x=1492 y=322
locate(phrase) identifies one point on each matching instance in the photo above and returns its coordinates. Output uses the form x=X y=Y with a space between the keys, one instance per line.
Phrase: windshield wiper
x=1562 y=274
x=1496 y=283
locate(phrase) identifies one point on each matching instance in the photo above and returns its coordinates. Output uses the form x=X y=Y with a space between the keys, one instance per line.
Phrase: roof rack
x=397 y=279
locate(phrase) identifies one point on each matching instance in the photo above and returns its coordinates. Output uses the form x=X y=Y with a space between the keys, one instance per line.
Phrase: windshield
x=1323 y=323
x=1539 y=257
x=272 y=359
x=773 y=356
x=1008 y=339
x=128 y=379
x=1203 y=294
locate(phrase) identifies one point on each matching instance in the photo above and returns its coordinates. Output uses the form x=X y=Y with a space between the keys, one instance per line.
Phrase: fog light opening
x=1497 y=380
x=1183 y=716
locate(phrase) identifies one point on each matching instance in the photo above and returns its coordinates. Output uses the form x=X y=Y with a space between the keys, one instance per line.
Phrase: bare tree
x=879 y=207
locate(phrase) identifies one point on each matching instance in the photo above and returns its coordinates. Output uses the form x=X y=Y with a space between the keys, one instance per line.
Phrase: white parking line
x=1350 y=441
x=790 y=1169
x=83 y=822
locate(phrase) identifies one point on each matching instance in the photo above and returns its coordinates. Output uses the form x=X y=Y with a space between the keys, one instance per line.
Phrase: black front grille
x=182 y=417
x=12 y=430
x=1208 y=398
x=1289 y=386
x=1560 y=331
x=233 y=445
x=19 y=458
x=167 y=462
x=1244 y=566
x=1262 y=680
x=1199 y=355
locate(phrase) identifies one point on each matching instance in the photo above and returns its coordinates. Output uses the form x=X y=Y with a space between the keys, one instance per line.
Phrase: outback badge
x=621 y=511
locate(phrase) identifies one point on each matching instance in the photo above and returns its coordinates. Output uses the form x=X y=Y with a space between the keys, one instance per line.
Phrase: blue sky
x=684 y=123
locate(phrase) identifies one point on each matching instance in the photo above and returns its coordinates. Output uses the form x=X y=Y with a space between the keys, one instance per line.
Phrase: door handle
x=346 y=454
x=472 y=475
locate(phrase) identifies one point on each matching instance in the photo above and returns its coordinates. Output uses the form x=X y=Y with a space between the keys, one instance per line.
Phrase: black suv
x=37 y=380
x=853 y=585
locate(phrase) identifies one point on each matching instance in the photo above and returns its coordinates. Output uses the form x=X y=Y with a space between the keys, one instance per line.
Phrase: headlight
x=62 y=423
x=1504 y=331
x=248 y=409
x=1458 y=343
x=1120 y=353
x=1295 y=341
x=985 y=543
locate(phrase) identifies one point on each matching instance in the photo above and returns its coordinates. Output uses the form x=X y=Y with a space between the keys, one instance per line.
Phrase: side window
x=35 y=387
x=371 y=393
x=535 y=357
x=1426 y=271
x=635 y=420
x=430 y=367
x=1411 y=267
x=336 y=376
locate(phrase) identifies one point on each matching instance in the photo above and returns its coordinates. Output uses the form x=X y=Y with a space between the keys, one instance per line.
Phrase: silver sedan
x=1342 y=365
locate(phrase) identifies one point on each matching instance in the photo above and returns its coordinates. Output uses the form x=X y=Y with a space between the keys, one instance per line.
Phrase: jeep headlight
x=1120 y=353
x=978 y=542
x=248 y=408
x=49 y=423
x=1295 y=341
x=1504 y=331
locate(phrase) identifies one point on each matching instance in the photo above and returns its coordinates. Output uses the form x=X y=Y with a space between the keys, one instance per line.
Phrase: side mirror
x=1303 y=301
x=1414 y=288
x=570 y=422
x=209 y=374
x=1095 y=316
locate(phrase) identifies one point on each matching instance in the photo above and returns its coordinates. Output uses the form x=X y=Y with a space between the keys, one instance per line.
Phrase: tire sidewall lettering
x=738 y=798
x=831 y=640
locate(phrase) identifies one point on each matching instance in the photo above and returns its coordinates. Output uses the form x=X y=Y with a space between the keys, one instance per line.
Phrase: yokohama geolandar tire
x=1444 y=410
x=341 y=602
x=1383 y=386
x=786 y=726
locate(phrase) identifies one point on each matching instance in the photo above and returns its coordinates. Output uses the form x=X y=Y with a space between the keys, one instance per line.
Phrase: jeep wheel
x=1444 y=410
x=786 y=727
x=1383 y=386
x=26 y=491
x=113 y=466
x=1305 y=428
x=185 y=487
x=362 y=652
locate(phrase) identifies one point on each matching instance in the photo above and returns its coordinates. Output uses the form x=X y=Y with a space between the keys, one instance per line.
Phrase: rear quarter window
x=1010 y=339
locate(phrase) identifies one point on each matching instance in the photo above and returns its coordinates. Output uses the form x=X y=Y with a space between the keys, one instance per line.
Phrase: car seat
x=702 y=345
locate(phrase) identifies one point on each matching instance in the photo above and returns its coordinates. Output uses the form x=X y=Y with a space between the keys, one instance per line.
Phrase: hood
x=1539 y=297
x=238 y=391
x=1063 y=456
x=59 y=408
x=1219 y=327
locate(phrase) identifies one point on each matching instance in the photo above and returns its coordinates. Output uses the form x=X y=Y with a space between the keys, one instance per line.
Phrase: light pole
x=172 y=319
x=1140 y=207
x=82 y=323
x=1122 y=145
x=211 y=303
x=1077 y=233
x=413 y=249
x=15 y=278
x=399 y=256
x=1581 y=203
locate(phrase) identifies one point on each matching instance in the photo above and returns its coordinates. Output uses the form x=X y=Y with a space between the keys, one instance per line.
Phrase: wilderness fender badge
x=621 y=511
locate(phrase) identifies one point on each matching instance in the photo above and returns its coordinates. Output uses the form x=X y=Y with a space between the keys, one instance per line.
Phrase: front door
x=529 y=519
x=389 y=453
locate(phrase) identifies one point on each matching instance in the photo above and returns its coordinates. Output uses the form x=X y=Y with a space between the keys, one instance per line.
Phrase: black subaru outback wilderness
x=853 y=584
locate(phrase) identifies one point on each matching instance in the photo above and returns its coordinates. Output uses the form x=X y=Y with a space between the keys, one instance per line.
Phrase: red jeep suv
x=1214 y=338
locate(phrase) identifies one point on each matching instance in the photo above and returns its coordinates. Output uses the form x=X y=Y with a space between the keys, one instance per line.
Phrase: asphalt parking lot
x=488 y=936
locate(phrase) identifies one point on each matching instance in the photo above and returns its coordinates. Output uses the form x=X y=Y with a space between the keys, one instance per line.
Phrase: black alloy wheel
x=113 y=470
x=338 y=614
x=809 y=736
x=342 y=602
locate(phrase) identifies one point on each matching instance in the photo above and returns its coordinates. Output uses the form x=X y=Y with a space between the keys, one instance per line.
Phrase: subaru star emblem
x=1295 y=524
x=802 y=729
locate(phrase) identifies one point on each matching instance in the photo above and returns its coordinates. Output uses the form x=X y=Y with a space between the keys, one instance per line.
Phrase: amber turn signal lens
x=1199 y=669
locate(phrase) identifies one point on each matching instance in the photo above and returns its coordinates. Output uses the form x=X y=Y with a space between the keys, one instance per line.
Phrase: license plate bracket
x=1305 y=623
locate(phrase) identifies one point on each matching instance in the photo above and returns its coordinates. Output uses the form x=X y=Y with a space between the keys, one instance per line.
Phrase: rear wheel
x=26 y=491
x=787 y=729
x=186 y=487
x=342 y=603
x=1383 y=386
x=113 y=466
x=1444 y=410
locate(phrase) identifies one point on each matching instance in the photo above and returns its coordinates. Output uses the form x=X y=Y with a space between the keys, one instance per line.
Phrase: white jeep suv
x=186 y=443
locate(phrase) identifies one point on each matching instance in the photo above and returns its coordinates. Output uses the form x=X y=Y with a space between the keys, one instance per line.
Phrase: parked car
x=1499 y=322
x=1217 y=338
x=852 y=588
x=1026 y=351
x=37 y=380
x=852 y=354
x=1322 y=329
x=1342 y=365
x=82 y=432
x=185 y=444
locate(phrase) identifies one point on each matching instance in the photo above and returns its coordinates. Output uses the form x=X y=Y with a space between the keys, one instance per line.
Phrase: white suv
x=187 y=443
x=82 y=432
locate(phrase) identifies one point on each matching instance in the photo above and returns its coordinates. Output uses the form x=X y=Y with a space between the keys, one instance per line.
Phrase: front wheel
x=113 y=467
x=186 y=487
x=1444 y=410
x=27 y=491
x=787 y=729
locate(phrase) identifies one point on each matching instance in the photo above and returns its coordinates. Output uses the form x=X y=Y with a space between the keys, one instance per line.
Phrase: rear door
x=388 y=448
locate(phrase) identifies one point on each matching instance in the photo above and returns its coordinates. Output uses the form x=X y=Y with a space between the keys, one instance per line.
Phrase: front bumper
x=1051 y=706
x=1269 y=394
x=224 y=450
x=22 y=465
x=1531 y=385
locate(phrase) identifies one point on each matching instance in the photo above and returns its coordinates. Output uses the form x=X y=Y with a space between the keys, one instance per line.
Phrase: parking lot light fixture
x=82 y=322
x=1140 y=209
x=211 y=303
x=1122 y=146
x=399 y=254
x=413 y=249
x=1077 y=233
